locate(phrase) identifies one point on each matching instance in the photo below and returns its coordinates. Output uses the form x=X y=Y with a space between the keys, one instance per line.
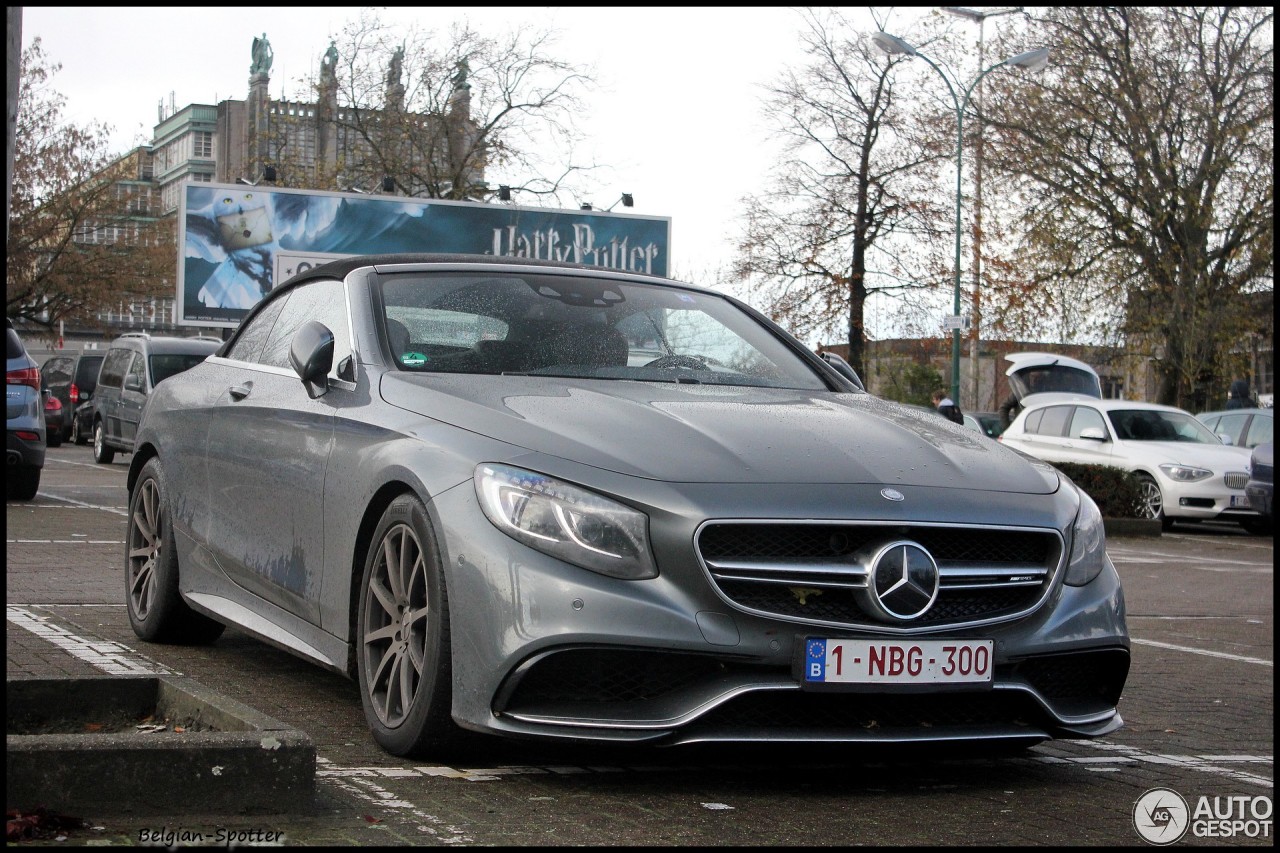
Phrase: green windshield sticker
x=413 y=359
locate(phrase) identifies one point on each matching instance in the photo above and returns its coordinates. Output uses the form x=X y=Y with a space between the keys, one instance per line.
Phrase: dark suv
x=72 y=379
x=24 y=418
x=134 y=364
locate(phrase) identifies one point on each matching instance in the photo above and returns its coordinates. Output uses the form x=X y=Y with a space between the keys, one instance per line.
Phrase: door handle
x=239 y=392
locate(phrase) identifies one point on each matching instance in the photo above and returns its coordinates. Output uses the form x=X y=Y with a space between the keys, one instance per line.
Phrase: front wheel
x=102 y=454
x=1152 y=501
x=156 y=609
x=402 y=633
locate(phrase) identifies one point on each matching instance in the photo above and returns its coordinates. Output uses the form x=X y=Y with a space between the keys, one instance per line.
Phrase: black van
x=72 y=379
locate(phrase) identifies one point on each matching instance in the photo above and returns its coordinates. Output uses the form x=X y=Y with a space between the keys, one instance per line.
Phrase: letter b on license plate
x=895 y=662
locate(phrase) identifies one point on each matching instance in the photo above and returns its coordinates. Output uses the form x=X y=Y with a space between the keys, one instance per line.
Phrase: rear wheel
x=102 y=454
x=1152 y=500
x=402 y=633
x=156 y=609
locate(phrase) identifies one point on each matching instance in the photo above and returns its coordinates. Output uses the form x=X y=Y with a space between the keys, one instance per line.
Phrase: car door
x=1088 y=440
x=110 y=381
x=1261 y=430
x=1045 y=436
x=133 y=395
x=268 y=452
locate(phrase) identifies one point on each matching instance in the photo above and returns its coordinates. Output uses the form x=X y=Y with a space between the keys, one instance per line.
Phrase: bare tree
x=860 y=166
x=438 y=115
x=79 y=233
x=1145 y=163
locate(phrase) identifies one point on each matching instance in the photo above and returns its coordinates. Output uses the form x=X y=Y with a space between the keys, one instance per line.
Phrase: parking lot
x=1198 y=708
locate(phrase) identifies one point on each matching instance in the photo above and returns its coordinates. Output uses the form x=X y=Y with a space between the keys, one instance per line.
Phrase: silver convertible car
x=544 y=500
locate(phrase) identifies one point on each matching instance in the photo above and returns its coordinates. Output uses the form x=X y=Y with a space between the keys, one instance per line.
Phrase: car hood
x=720 y=434
x=1220 y=457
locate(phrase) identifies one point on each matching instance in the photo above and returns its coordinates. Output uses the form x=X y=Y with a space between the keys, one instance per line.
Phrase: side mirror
x=843 y=368
x=1093 y=434
x=1226 y=439
x=311 y=355
x=133 y=383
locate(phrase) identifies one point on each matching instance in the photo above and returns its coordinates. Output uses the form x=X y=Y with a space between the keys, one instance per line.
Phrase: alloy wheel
x=145 y=538
x=396 y=618
x=1152 y=499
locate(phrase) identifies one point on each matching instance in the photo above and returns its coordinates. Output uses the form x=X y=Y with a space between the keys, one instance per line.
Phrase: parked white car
x=1185 y=471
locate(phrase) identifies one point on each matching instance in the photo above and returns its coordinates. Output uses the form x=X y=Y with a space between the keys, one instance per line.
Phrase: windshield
x=555 y=325
x=1146 y=425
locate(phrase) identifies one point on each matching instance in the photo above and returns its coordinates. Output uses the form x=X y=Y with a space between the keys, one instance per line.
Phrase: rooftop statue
x=397 y=64
x=329 y=65
x=261 y=55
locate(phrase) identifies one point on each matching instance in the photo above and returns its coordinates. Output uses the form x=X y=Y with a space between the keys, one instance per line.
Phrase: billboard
x=238 y=241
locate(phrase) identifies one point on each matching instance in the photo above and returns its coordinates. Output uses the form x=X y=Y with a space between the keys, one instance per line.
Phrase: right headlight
x=1088 y=543
x=567 y=522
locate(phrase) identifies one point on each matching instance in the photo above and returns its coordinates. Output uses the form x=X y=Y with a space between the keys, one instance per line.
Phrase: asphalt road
x=1198 y=709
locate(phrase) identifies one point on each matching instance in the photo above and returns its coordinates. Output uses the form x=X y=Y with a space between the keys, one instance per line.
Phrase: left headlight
x=567 y=522
x=1185 y=473
x=1088 y=543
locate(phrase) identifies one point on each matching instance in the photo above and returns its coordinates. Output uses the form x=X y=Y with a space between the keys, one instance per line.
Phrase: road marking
x=1211 y=764
x=363 y=788
x=111 y=658
x=1206 y=652
x=64 y=541
x=81 y=504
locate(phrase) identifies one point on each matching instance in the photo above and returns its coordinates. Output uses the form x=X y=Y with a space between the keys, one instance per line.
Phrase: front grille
x=1235 y=479
x=809 y=572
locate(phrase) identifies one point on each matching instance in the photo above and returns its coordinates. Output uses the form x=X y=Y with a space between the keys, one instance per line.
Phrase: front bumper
x=545 y=649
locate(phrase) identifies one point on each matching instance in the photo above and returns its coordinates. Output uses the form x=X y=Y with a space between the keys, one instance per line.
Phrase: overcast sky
x=675 y=114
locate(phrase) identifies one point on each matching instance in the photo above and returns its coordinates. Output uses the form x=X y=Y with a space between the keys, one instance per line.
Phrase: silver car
x=541 y=500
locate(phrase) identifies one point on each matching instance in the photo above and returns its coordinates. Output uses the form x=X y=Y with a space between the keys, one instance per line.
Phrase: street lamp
x=1032 y=60
x=978 y=16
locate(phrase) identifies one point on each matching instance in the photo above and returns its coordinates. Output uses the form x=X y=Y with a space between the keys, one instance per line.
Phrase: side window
x=1260 y=431
x=1033 y=421
x=325 y=301
x=1232 y=425
x=113 y=368
x=1054 y=422
x=249 y=341
x=1083 y=419
x=137 y=371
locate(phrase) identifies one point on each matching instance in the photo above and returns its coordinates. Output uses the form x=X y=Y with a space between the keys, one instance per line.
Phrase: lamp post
x=975 y=311
x=1033 y=60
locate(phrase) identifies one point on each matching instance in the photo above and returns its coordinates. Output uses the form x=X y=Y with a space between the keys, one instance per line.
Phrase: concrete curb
x=249 y=763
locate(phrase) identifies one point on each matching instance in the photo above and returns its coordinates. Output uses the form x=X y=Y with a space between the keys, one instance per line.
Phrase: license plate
x=895 y=662
x=1240 y=501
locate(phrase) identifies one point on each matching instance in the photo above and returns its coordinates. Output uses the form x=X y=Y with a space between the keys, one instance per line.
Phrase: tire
x=1152 y=500
x=156 y=609
x=22 y=483
x=102 y=454
x=54 y=439
x=402 y=636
